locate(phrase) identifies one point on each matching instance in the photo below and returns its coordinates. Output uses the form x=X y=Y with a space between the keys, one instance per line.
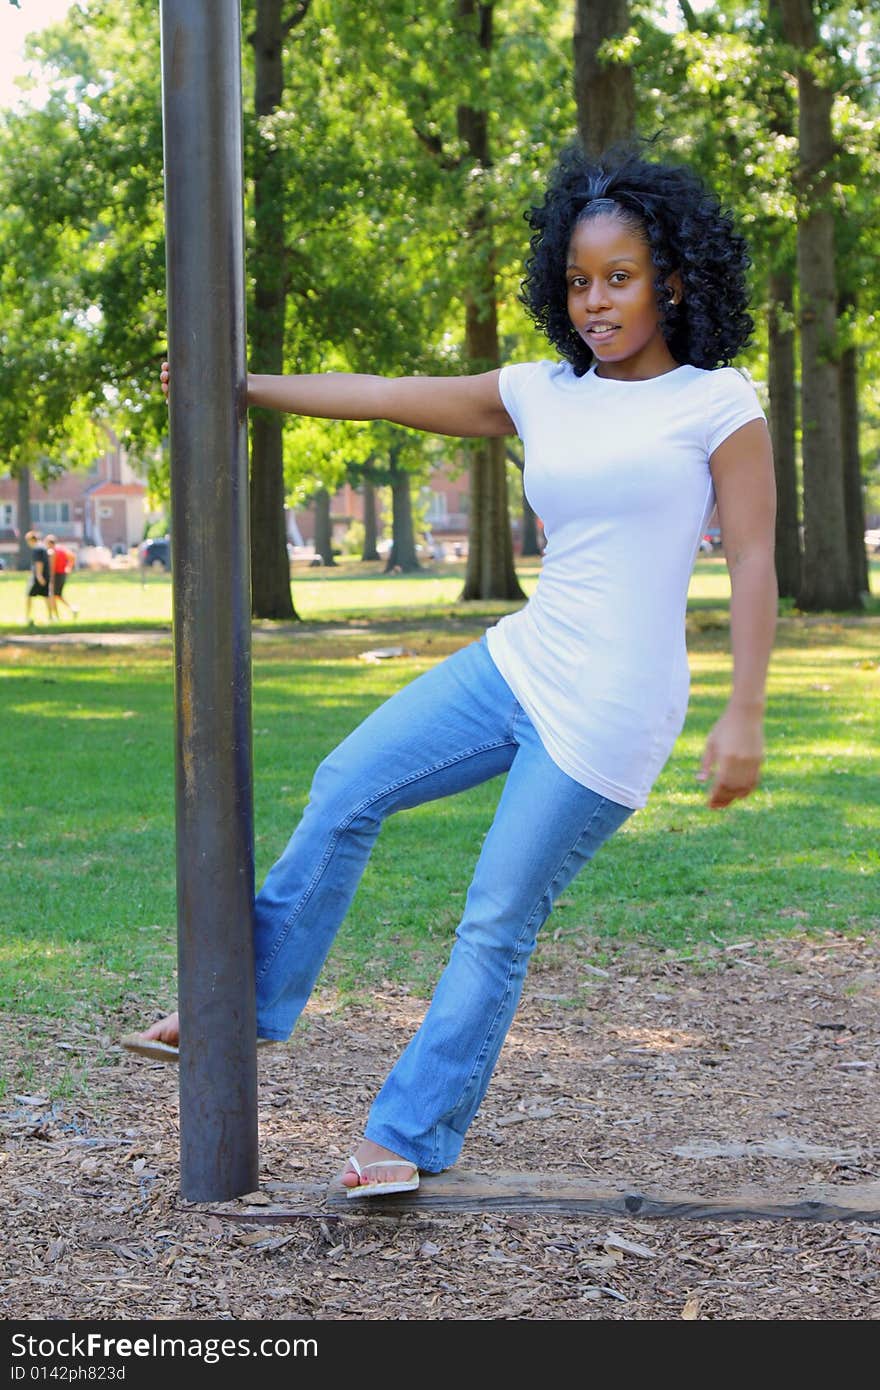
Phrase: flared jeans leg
x=546 y=828
x=452 y=728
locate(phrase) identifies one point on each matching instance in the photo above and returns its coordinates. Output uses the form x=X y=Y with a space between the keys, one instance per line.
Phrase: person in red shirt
x=61 y=562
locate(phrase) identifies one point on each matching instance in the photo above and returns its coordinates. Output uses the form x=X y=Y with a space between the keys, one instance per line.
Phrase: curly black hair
x=687 y=231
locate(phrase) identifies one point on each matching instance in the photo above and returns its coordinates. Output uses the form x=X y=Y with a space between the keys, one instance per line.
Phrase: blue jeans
x=453 y=727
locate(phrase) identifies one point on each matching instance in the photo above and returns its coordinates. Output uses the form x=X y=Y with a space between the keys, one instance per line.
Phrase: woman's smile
x=600 y=332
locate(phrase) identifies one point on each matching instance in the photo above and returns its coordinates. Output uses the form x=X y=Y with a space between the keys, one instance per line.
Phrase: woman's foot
x=160 y=1042
x=167 y=1030
x=372 y=1170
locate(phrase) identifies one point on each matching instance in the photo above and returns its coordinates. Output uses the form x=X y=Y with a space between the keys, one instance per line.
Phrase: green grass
x=350 y=592
x=87 y=896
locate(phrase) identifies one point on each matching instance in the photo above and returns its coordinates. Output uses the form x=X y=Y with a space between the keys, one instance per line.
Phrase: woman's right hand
x=164 y=379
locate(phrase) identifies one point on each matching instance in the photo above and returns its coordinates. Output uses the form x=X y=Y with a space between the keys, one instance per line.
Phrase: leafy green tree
x=490 y=568
x=400 y=460
x=827 y=577
x=727 y=64
x=483 y=93
x=82 y=241
x=43 y=425
x=856 y=118
x=274 y=21
x=757 y=110
x=365 y=290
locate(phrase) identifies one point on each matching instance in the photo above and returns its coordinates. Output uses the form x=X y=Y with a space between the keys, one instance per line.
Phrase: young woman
x=637 y=278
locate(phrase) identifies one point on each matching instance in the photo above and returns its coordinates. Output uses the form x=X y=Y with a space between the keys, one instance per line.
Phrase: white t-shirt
x=618 y=472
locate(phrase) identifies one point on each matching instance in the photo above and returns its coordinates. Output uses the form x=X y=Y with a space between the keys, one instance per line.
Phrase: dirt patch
x=754 y=1065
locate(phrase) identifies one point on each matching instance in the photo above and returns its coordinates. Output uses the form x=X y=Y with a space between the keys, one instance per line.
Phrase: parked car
x=872 y=540
x=155 y=554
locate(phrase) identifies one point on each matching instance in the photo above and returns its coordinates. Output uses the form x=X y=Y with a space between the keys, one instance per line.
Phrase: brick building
x=104 y=506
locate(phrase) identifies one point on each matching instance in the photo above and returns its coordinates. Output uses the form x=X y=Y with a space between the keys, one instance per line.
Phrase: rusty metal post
x=204 y=221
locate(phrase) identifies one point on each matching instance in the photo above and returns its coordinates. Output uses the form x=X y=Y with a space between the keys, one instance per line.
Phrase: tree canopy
x=394 y=162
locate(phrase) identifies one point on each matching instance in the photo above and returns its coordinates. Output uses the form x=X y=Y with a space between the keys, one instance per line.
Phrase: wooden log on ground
x=557 y=1194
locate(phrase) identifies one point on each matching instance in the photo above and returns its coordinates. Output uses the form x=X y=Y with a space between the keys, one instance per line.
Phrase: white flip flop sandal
x=158 y=1051
x=375 y=1189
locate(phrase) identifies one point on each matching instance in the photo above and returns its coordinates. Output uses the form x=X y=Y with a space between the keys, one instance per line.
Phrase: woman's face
x=612 y=302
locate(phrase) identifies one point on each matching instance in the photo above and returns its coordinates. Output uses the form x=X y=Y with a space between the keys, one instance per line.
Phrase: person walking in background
x=39 y=585
x=637 y=277
x=61 y=563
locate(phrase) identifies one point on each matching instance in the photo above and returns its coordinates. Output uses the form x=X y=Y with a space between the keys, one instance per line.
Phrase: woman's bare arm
x=461 y=406
x=742 y=469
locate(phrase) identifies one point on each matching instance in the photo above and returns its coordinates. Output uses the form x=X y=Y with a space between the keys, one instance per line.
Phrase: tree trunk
x=783 y=411
x=490 y=569
x=827 y=580
x=369 y=494
x=402 y=555
x=270 y=568
x=604 y=91
x=528 y=521
x=323 y=527
x=529 y=544
x=24 y=517
x=854 y=498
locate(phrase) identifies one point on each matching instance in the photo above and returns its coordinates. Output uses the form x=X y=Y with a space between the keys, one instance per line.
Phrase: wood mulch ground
x=752 y=1066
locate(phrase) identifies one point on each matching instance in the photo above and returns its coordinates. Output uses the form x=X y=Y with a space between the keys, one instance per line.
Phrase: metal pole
x=201 y=99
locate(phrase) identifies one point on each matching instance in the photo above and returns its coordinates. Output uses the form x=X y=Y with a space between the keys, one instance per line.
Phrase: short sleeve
x=734 y=403
x=512 y=383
